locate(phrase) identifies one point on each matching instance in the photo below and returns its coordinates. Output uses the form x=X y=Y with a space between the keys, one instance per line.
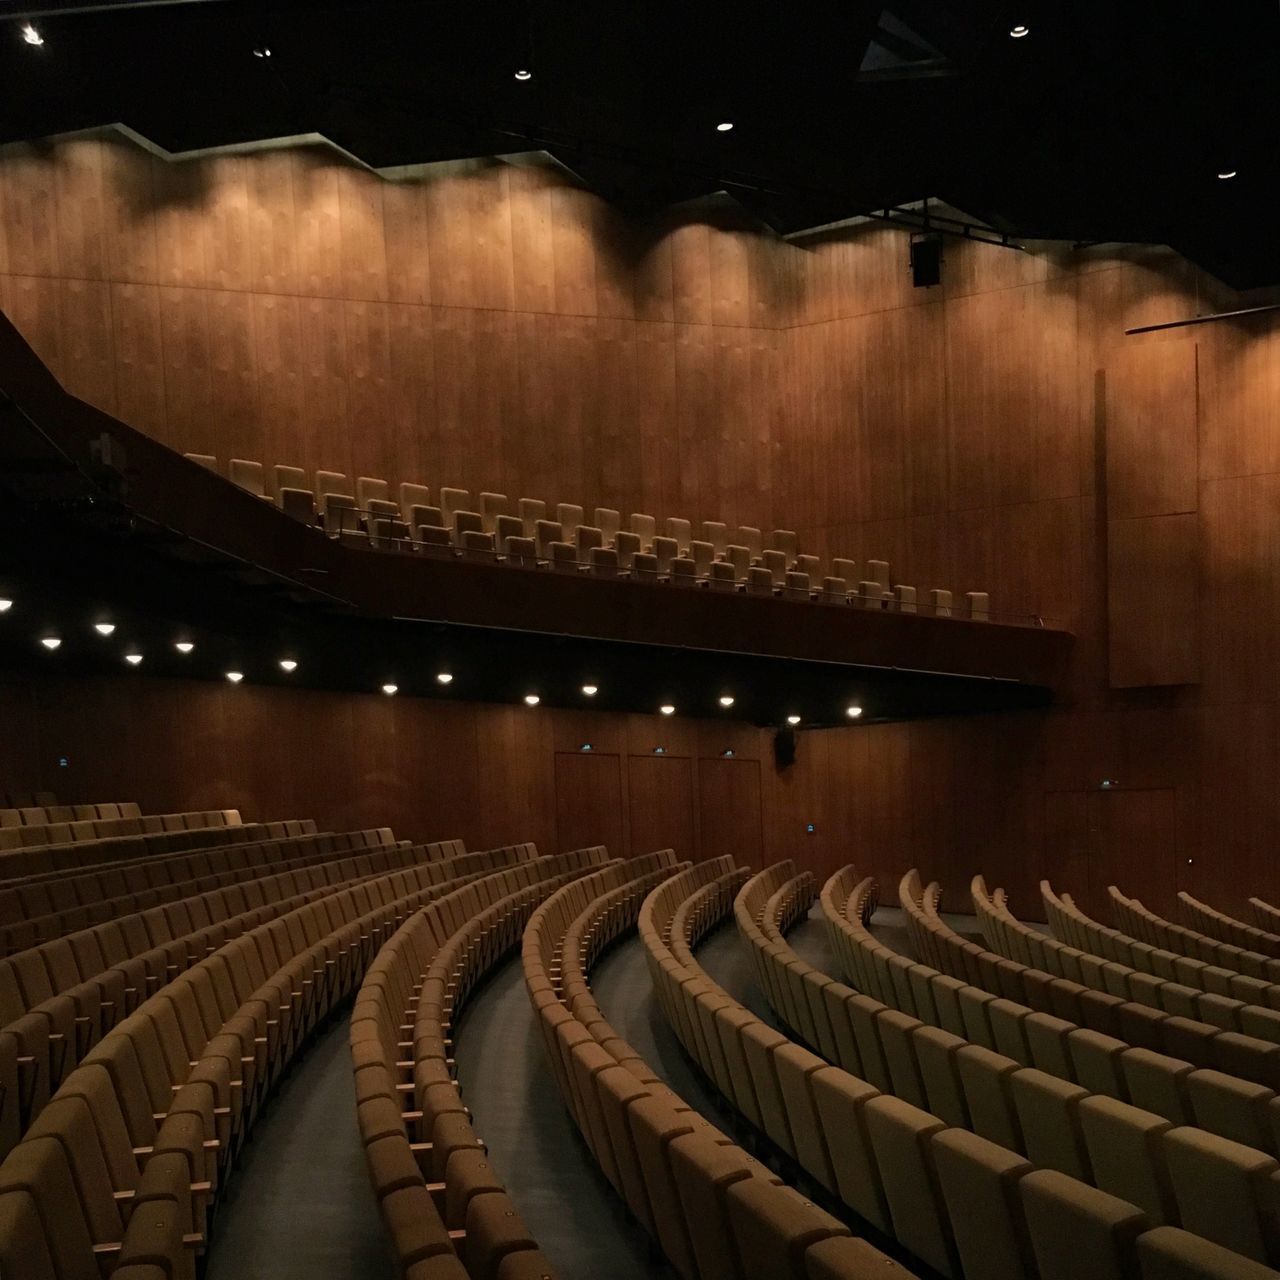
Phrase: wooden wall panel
x=661 y=806
x=589 y=806
x=730 y=818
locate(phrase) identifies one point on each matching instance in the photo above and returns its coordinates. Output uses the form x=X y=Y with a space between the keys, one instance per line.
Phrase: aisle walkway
x=299 y=1207
x=568 y=1205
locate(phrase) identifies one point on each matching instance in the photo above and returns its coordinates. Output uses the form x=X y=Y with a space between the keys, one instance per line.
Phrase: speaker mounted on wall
x=926 y=261
x=784 y=749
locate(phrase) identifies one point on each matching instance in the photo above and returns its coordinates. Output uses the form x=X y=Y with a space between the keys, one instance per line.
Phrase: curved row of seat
x=1018 y=942
x=78 y=988
x=40 y=815
x=87 y=829
x=447 y=1213
x=803 y=1106
x=74 y=900
x=1217 y=972
x=1130 y=915
x=1009 y=1073
x=1267 y=916
x=119 y=1173
x=1127 y=1021
x=16 y=863
x=1226 y=928
x=714 y=1210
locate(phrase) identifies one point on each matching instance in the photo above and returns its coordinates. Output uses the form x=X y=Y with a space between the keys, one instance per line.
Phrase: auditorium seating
x=40 y=814
x=439 y=1197
x=971 y=1159
x=712 y=1209
x=494 y=528
x=120 y=1170
x=50 y=831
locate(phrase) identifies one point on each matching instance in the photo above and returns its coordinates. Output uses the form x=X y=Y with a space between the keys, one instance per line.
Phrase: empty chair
x=878 y=571
x=608 y=522
x=1069 y=1221
x=425 y=515
x=340 y=514
x=759 y=581
x=626 y=544
x=716 y=532
x=586 y=538
x=684 y=573
x=453 y=501
x=204 y=459
x=722 y=576
x=775 y=564
x=978 y=605
x=783 y=540
x=812 y=565
x=750 y=537
x=465 y=522
x=388 y=534
x=505 y=527
x=834 y=590
x=644 y=566
x=739 y=558
x=332 y=482
x=283 y=477
x=904 y=599
x=477 y=545
x=563 y=557
x=570 y=516
x=248 y=475
x=531 y=510
x=603 y=561
x=493 y=505
x=681 y=532
x=298 y=503
x=795 y=586
x=702 y=554
x=380 y=509
x=846 y=569
x=370 y=490
x=411 y=496
x=434 y=540
x=546 y=533
x=870 y=594
x=521 y=551
x=645 y=528
x=940 y=603
x=665 y=550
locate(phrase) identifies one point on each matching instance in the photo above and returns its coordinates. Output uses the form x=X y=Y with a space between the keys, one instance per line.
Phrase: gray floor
x=299 y=1206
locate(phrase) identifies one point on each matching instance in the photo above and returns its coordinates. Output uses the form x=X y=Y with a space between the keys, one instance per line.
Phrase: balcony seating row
x=526 y=532
x=716 y=1212
x=30 y=835
x=1174 y=1175
x=41 y=815
x=442 y=1204
x=120 y=1172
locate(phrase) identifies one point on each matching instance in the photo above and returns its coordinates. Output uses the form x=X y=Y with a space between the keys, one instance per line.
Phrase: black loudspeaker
x=926 y=261
x=784 y=748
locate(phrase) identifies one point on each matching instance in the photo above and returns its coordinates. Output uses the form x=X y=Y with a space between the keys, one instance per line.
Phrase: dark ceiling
x=1109 y=120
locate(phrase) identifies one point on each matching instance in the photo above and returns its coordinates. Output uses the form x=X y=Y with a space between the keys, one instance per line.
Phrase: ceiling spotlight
x=5 y=604
x=288 y=664
x=31 y=36
x=184 y=646
x=590 y=690
x=262 y=51
x=793 y=720
x=1226 y=174
x=51 y=642
x=531 y=699
x=524 y=74
x=235 y=676
x=390 y=688
x=104 y=628
x=445 y=677
x=726 y=699
x=724 y=126
x=133 y=658
x=1019 y=31
x=853 y=711
x=667 y=709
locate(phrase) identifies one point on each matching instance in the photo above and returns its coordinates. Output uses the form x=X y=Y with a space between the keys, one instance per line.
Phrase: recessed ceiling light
x=667 y=709
x=5 y=604
x=1019 y=31
x=133 y=658
x=726 y=699
x=793 y=720
x=445 y=677
x=235 y=676
x=1226 y=174
x=390 y=688
x=31 y=36
x=853 y=711
x=523 y=74
x=184 y=646
x=724 y=126
x=104 y=628
x=51 y=642
x=531 y=699
x=262 y=51
x=288 y=664
x=590 y=690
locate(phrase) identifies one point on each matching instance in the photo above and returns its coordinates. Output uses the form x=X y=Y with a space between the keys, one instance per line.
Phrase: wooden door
x=660 y=795
x=588 y=801
x=729 y=820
